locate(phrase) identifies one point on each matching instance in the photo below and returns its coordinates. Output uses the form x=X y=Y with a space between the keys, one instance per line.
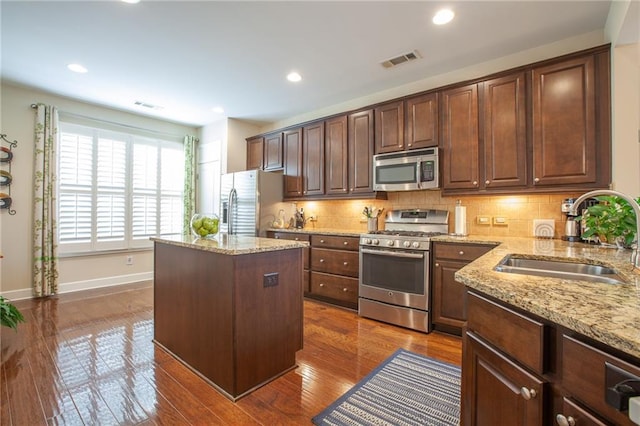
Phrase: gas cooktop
x=402 y=233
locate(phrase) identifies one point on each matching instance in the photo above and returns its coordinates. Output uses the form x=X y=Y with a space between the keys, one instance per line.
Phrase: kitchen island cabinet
x=229 y=308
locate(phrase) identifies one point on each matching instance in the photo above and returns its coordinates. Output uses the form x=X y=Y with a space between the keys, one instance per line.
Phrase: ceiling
x=188 y=57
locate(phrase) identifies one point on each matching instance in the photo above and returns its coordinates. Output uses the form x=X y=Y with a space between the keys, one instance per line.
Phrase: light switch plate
x=543 y=228
x=500 y=221
x=483 y=220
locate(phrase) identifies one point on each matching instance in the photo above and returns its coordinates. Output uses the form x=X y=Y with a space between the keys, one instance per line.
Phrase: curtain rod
x=113 y=123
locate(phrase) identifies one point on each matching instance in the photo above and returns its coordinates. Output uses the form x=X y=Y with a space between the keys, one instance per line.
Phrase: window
x=115 y=190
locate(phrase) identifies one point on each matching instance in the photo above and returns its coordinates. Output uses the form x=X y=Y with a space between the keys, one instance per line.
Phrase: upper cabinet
x=564 y=123
x=255 y=148
x=421 y=121
x=292 y=142
x=313 y=159
x=273 y=152
x=361 y=146
x=389 y=122
x=336 y=156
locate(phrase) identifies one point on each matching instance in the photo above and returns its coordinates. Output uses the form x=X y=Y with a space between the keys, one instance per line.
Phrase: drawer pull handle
x=321 y=284
x=461 y=253
x=321 y=260
x=297 y=239
x=345 y=263
x=565 y=421
x=322 y=241
x=345 y=289
x=345 y=243
x=528 y=393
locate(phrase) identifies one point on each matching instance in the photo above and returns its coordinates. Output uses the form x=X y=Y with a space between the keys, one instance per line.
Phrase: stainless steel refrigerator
x=249 y=201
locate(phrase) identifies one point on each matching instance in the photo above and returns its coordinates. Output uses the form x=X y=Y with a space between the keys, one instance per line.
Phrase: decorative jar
x=205 y=225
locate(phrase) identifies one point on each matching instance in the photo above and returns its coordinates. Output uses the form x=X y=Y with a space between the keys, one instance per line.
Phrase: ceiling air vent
x=389 y=63
x=147 y=105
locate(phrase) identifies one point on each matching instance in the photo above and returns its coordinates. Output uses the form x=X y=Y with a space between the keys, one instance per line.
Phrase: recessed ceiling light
x=217 y=110
x=77 y=68
x=294 y=77
x=443 y=16
x=131 y=1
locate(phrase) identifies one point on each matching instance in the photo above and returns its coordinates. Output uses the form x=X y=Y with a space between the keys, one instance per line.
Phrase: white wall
x=17 y=120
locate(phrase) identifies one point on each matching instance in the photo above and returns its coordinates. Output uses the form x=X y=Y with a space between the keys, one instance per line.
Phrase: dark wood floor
x=88 y=358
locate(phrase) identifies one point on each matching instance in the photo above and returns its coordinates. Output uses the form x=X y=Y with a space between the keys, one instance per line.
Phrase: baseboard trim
x=74 y=286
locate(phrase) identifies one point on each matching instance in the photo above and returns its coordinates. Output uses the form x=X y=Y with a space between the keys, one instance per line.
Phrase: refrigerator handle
x=231 y=203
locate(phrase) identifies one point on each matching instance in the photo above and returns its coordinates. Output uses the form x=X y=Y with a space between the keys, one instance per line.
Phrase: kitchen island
x=230 y=308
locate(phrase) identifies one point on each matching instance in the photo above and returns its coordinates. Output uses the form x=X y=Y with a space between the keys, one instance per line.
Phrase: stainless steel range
x=395 y=275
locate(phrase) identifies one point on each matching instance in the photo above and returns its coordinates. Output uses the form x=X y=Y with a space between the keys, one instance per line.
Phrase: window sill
x=103 y=252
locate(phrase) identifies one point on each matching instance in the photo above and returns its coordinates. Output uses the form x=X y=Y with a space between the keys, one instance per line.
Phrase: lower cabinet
x=518 y=369
x=448 y=302
x=331 y=267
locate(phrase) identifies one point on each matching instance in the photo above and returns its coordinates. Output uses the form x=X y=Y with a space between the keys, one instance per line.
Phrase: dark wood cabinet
x=255 y=147
x=564 y=123
x=389 y=125
x=313 y=159
x=504 y=146
x=361 y=149
x=459 y=137
x=273 y=155
x=296 y=236
x=292 y=143
x=421 y=121
x=336 y=147
x=449 y=310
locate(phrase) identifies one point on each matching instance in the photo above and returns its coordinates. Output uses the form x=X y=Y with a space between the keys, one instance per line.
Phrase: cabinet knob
x=561 y=420
x=345 y=289
x=321 y=284
x=345 y=243
x=321 y=260
x=408 y=144
x=297 y=239
x=536 y=180
x=400 y=145
x=487 y=182
x=461 y=253
x=528 y=393
x=345 y=263
x=277 y=237
x=350 y=189
x=475 y=183
x=437 y=265
x=322 y=241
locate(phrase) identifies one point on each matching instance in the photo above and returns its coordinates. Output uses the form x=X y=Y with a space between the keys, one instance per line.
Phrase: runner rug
x=406 y=389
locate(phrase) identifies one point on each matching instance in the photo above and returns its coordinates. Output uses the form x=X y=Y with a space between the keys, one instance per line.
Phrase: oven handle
x=393 y=253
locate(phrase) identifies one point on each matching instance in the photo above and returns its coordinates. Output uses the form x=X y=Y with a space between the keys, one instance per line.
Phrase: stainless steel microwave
x=406 y=170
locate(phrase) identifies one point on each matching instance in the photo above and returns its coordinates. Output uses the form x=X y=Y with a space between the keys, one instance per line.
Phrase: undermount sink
x=559 y=269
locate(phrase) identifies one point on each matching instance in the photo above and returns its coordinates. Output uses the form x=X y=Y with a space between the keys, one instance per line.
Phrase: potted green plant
x=612 y=221
x=10 y=316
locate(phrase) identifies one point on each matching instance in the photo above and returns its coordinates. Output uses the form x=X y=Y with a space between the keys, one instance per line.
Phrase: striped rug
x=406 y=389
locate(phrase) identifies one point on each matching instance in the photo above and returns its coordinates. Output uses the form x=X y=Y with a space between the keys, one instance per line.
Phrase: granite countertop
x=323 y=231
x=608 y=313
x=232 y=244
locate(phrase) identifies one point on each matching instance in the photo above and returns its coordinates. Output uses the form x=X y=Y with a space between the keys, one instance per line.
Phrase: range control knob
x=367 y=240
x=407 y=244
x=375 y=242
x=416 y=244
x=390 y=243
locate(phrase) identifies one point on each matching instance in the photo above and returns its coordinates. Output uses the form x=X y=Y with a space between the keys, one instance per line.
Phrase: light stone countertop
x=232 y=244
x=608 y=313
x=323 y=231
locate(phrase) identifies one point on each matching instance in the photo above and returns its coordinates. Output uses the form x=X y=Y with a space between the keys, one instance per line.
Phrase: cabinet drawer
x=509 y=331
x=334 y=287
x=466 y=252
x=580 y=416
x=335 y=242
x=584 y=376
x=339 y=262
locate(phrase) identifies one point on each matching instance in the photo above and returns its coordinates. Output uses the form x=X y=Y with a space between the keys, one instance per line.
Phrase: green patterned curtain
x=45 y=260
x=190 y=146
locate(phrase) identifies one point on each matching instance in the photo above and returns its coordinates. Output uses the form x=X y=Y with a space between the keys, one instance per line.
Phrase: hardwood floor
x=88 y=358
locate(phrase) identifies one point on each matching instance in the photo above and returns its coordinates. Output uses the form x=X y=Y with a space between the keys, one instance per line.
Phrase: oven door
x=398 y=277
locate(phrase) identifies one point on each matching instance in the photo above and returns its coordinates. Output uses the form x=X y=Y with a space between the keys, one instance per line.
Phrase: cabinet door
x=505 y=149
x=292 y=141
x=255 y=153
x=496 y=390
x=459 y=137
x=390 y=127
x=313 y=159
x=273 y=151
x=336 y=156
x=421 y=121
x=449 y=307
x=361 y=146
x=564 y=123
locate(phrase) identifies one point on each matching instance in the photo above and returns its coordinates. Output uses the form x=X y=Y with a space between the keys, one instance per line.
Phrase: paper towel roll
x=461 y=220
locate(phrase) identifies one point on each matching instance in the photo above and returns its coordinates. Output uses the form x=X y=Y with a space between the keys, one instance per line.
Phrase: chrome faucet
x=635 y=258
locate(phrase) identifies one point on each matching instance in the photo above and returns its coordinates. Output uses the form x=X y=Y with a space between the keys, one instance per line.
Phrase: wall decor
x=6 y=156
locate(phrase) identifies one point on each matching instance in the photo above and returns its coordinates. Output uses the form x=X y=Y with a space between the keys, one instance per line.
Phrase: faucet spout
x=635 y=258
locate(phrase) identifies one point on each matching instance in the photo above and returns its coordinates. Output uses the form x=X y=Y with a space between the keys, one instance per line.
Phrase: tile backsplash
x=519 y=211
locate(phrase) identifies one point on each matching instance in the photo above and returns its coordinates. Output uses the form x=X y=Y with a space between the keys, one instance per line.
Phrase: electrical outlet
x=483 y=220
x=270 y=280
x=500 y=220
x=129 y=260
x=313 y=218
